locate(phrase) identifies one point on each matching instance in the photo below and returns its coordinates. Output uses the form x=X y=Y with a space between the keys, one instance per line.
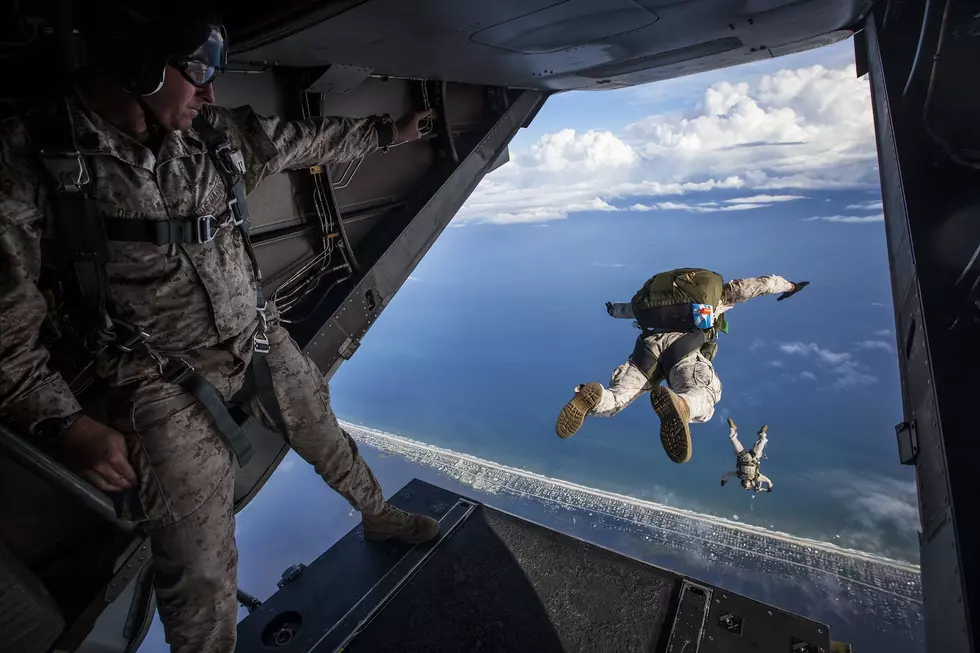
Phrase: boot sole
x=675 y=433
x=572 y=416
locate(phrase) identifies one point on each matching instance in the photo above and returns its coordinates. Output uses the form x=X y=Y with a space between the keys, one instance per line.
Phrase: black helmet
x=134 y=41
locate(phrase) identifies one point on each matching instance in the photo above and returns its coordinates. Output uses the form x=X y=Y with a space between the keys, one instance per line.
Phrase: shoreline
x=789 y=538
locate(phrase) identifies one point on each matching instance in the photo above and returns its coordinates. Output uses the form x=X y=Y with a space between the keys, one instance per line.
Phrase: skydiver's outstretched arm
x=740 y=290
x=620 y=310
x=724 y=479
x=764 y=480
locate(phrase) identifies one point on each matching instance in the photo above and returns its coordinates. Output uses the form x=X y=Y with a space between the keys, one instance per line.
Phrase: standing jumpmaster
x=131 y=191
x=747 y=462
x=680 y=313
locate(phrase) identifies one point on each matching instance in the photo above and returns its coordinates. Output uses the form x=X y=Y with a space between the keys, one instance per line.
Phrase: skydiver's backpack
x=681 y=300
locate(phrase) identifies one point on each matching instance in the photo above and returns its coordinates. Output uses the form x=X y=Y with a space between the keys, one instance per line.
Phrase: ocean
x=484 y=343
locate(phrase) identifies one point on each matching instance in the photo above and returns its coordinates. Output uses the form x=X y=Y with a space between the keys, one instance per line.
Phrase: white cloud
x=884 y=332
x=878 y=304
x=867 y=206
x=809 y=376
x=805 y=349
x=848 y=373
x=704 y=207
x=808 y=128
x=765 y=199
x=848 y=219
x=874 y=344
x=877 y=505
x=851 y=375
x=776 y=364
x=757 y=345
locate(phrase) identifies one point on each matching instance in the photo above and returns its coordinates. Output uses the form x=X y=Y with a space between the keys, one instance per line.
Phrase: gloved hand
x=609 y=308
x=723 y=481
x=797 y=287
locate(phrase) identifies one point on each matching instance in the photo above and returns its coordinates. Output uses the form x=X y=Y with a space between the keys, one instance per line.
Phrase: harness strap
x=683 y=346
x=258 y=384
x=195 y=230
x=181 y=373
x=658 y=369
x=81 y=234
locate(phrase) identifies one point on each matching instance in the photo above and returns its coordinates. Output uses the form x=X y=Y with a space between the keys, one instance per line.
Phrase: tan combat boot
x=572 y=416
x=675 y=417
x=395 y=523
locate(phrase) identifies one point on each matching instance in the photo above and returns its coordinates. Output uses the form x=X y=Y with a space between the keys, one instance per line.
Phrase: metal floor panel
x=322 y=606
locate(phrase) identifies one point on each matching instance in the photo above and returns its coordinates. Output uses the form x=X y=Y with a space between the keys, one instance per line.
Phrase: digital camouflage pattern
x=198 y=302
x=186 y=479
x=200 y=296
x=693 y=377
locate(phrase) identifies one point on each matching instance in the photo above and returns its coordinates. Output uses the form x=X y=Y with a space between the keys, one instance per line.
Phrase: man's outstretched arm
x=271 y=144
x=724 y=479
x=765 y=481
x=740 y=290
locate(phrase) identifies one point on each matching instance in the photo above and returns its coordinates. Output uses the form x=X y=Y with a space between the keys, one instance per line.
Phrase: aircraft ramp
x=496 y=582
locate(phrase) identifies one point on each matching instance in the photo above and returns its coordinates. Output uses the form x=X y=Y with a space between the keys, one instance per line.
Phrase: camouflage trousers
x=693 y=378
x=186 y=479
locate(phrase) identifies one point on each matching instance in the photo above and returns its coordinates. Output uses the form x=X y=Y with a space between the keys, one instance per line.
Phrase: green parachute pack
x=682 y=301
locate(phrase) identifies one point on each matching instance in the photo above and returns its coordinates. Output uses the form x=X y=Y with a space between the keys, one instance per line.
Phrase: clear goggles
x=203 y=65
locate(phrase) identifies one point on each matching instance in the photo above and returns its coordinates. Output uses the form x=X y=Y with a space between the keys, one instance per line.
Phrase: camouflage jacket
x=197 y=296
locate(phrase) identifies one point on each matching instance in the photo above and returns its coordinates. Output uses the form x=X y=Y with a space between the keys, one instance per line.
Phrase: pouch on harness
x=83 y=233
x=684 y=300
x=748 y=465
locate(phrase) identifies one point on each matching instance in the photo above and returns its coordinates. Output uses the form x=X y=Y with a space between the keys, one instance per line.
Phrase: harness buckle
x=68 y=171
x=206 y=228
x=136 y=338
x=233 y=209
x=176 y=370
x=260 y=344
x=231 y=159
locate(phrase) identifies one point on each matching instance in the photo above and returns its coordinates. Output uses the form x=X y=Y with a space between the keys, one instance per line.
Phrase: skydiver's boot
x=572 y=416
x=395 y=523
x=675 y=417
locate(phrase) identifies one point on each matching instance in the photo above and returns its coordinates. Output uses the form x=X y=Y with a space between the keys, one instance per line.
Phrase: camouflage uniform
x=747 y=462
x=197 y=301
x=693 y=377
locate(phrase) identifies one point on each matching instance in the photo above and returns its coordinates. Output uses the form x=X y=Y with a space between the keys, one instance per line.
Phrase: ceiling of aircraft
x=541 y=44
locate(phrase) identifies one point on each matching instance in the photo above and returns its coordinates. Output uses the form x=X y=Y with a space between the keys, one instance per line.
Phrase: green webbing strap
x=209 y=397
x=258 y=384
x=657 y=369
x=265 y=393
x=683 y=346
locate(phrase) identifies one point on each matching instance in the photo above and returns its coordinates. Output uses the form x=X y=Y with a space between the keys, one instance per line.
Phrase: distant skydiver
x=680 y=313
x=747 y=462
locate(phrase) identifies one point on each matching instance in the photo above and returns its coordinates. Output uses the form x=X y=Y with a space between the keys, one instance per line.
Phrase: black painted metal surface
x=501 y=583
x=932 y=208
x=320 y=608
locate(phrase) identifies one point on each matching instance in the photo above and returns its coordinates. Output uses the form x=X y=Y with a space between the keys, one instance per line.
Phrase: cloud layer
x=847 y=372
x=876 y=504
x=808 y=128
x=848 y=219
